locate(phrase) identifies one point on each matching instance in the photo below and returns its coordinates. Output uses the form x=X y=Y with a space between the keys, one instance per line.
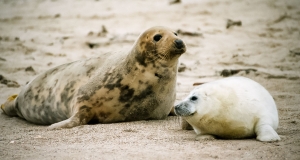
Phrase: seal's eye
x=194 y=98
x=175 y=34
x=157 y=37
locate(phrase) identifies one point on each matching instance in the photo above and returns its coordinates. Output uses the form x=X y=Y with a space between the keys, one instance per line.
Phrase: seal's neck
x=147 y=59
x=140 y=67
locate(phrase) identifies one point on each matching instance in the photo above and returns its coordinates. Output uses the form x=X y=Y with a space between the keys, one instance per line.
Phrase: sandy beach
x=258 y=39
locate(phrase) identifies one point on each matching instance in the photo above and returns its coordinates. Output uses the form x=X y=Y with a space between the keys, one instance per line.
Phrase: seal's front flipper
x=68 y=123
x=266 y=133
x=82 y=117
x=9 y=107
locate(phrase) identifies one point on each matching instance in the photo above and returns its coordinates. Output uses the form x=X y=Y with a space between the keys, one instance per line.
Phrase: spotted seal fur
x=137 y=85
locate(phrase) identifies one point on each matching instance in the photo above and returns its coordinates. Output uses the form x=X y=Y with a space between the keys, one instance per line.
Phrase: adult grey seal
x=233 y=108
x=137 y=85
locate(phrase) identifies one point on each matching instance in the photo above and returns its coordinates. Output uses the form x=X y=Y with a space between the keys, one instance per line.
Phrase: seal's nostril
x=179 y=43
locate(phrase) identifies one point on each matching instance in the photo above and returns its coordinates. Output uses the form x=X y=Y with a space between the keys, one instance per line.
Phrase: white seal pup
x=231 y=108
x=134 y=85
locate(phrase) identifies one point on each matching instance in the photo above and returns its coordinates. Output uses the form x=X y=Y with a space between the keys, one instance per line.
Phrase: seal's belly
x=119 y=104
x=225 y=127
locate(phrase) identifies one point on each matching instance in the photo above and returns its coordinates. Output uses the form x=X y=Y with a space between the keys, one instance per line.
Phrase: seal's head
x=188 y=107
x=159 y=44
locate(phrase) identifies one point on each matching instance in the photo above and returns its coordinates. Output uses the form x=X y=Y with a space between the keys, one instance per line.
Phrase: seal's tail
x=9 y=106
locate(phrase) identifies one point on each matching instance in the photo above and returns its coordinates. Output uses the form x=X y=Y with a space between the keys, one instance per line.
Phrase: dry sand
x=38 y=35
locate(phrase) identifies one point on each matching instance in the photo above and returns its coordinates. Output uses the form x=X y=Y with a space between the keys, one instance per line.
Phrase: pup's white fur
x=234 y=107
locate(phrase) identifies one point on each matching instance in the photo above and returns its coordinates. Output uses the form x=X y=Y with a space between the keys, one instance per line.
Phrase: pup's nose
x=179 y=44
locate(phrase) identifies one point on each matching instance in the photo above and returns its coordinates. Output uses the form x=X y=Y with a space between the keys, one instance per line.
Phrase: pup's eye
x=157 y=37
x=175 y=34
x=194 y=98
